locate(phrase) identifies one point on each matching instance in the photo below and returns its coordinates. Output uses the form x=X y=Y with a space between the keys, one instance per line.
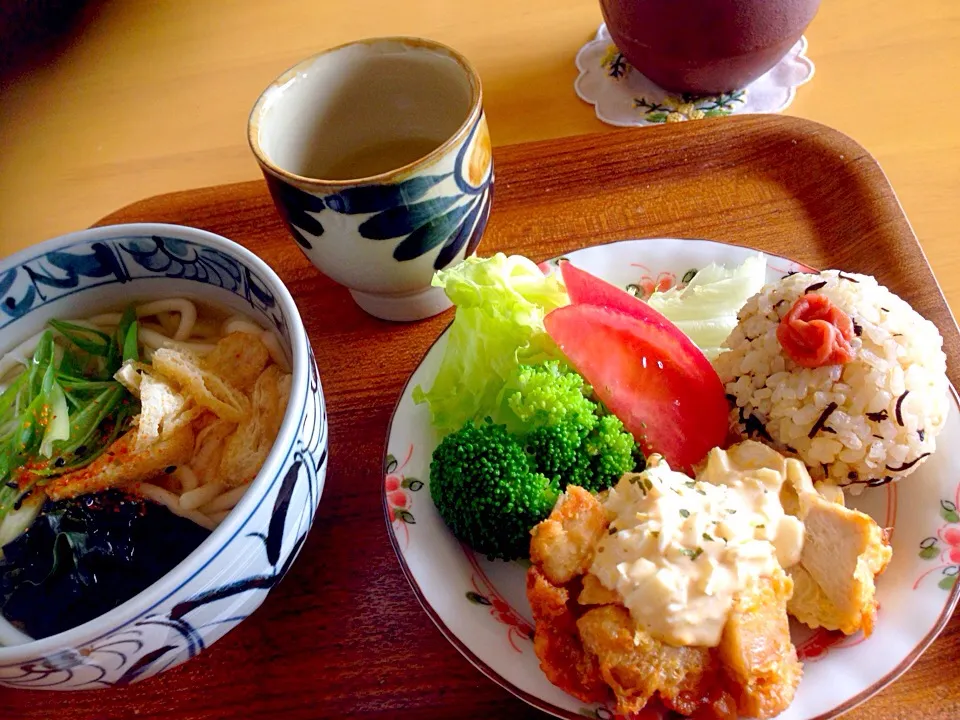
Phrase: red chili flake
x=815 y=332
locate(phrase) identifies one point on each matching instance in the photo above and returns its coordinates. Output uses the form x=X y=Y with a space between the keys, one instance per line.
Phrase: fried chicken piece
x=843 y=552
x=563 y=544
x=595 y=593
x=756 y=650
x=121 y=464
x=810 y=604
x=636 y=666
x=718 y=704
x=556 y=643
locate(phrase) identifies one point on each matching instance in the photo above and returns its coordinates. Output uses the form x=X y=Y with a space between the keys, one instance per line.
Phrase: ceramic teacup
x=377 y=156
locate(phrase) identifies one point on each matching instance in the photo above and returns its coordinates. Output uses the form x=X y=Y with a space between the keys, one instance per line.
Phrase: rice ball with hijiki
x=837 y=370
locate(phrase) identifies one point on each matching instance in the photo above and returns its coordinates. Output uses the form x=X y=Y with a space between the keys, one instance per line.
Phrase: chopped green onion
x=102 y=444
x=127 y=338
x=89 y=417
x=71 y=364
x=38 y=365
x=92 y=341
x=65 y=406
x=75 y=384
x=58 y=421
x=8 y=398
x=130 y=348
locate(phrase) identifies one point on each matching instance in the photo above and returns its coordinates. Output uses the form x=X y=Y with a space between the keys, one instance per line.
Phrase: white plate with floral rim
x=481 y=605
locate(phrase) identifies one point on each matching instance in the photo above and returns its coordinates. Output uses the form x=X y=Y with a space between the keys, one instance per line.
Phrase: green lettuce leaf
x=501 y=302
x=706 y=309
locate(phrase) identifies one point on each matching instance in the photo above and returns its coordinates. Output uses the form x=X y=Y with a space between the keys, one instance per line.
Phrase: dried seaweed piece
x=753 y=426
x=900 y=406
x=908 y=465
x=824 y=416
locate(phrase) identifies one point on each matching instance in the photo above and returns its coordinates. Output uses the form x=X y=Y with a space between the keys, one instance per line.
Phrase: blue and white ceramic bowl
x=378 y=158
x=225 y=579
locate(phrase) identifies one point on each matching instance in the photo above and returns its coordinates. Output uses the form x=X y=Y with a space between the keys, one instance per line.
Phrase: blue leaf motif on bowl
x=59 y=273
x=179 y=259
x=49 y=276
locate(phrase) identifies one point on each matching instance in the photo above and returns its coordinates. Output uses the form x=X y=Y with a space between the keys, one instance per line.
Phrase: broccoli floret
x=594 y=459
x=493 y=482
x=611 y=450
x=549 y=394
x=557 y=451
x=486 y=491
x=573 y=440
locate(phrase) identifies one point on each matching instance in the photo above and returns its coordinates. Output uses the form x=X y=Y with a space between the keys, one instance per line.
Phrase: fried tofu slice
x=238 y=358
x=756 y=651
x=207 y=389
x=557 y=644
x=564 y=544
x=210 y=447
x=843 y=552
x=247 y=448
x=162 y=410
x=636 y=666
x=122 y=464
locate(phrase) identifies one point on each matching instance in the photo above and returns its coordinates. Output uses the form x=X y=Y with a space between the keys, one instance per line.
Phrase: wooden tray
x=343 y=634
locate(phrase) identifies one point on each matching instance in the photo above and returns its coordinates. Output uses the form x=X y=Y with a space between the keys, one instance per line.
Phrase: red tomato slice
x=645 y=374
x=586 y=289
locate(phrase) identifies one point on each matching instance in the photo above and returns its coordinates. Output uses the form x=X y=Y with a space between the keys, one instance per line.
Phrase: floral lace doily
x=622 y=96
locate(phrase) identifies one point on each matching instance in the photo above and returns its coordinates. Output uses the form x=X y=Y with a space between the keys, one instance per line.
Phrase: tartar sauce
x=679 y=549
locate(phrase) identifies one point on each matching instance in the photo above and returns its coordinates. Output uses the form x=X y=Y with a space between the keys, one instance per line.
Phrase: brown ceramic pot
x=706 y=46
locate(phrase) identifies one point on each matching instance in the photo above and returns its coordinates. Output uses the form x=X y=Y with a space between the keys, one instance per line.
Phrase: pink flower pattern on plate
x=649 y=283
x=485 y=593
x=944 y=546
x=398 y=489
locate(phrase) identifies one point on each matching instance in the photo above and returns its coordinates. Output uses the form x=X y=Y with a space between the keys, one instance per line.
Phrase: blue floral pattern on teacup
x=419 y=213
